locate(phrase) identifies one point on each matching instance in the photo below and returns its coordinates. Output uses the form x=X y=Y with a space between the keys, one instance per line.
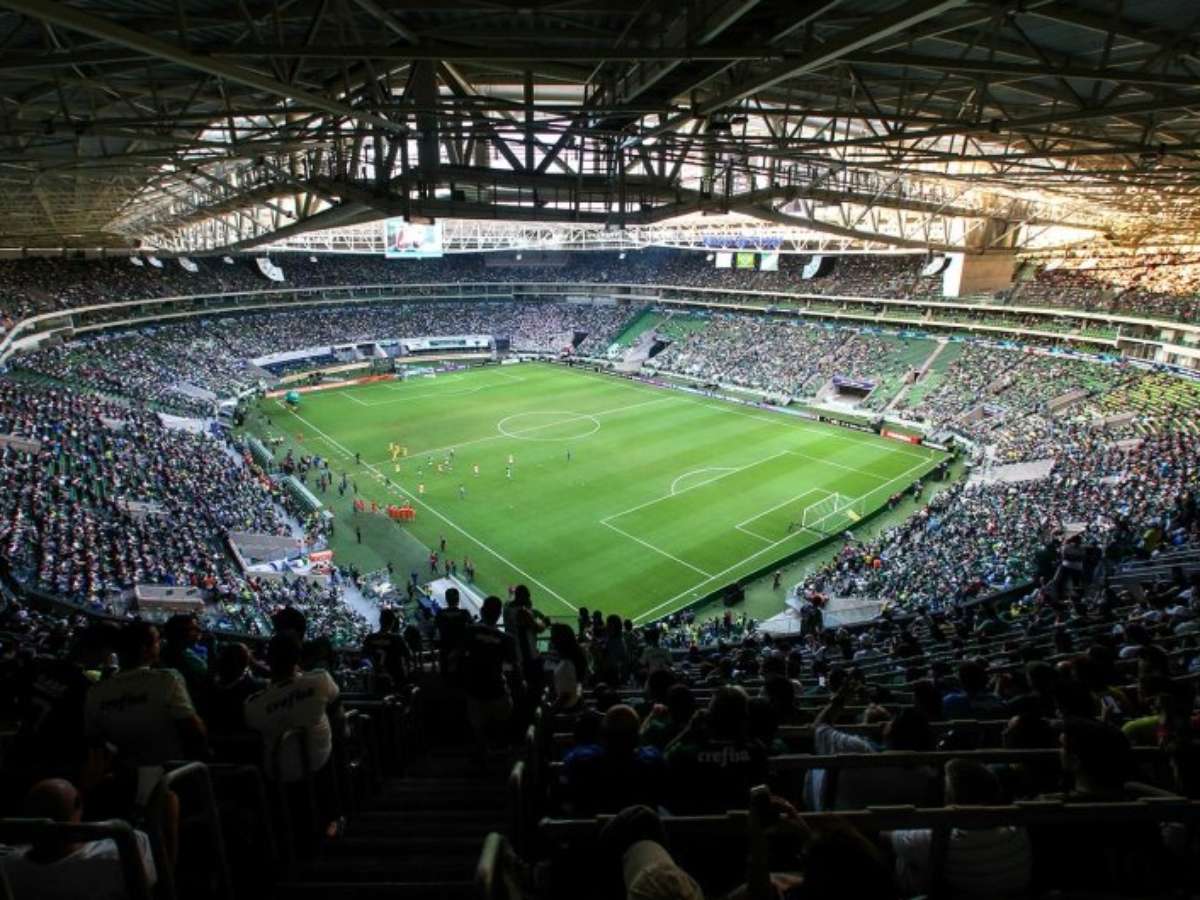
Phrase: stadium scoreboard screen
x=410 y=240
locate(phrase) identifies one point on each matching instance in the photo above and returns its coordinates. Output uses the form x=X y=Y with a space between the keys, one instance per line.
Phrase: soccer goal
x=835 y=513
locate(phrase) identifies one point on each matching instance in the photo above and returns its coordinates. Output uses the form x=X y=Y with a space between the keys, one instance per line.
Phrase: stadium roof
x=195 y=125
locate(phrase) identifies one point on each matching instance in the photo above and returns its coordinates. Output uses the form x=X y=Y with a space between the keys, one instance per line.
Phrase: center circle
x=552 y=425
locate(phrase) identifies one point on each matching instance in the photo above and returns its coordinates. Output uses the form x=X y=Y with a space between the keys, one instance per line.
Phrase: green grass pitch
x=666 y=495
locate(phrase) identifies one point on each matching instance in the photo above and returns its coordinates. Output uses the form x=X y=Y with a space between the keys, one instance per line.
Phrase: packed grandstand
x=619 y=450
x=1047 y=595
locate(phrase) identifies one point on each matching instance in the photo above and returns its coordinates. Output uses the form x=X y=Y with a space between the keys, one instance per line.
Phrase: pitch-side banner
x=404 y=240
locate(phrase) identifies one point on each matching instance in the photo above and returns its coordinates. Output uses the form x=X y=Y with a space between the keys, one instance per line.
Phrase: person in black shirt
x=451 y=622
x=234 y=683
x=388 y=652
x=486 y=654
x=716 y=753
x=51 y=737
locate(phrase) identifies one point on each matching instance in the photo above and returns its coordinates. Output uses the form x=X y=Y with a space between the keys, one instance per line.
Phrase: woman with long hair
x=571 y=670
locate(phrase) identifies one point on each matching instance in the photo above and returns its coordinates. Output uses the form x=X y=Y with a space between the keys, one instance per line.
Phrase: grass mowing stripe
x=523 y=431
x=681 y=470
x=650 y=546
x=729 y=569
x=423 y=504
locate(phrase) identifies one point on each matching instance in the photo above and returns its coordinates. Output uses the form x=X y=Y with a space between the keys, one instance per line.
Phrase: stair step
x=435 y=800
x=443 y=814
x=425 y=867
x=383 y=847
x=401 y=829
x=376 y=890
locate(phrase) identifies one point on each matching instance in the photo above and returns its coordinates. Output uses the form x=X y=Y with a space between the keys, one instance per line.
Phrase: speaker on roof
x=818 y=267
x=935 y=265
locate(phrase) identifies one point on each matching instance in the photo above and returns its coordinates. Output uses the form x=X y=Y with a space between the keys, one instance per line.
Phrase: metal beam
x=77 y=20
x=879 y=28
x=1019 y=70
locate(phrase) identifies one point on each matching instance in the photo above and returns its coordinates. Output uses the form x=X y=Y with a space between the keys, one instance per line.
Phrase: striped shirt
x=984 y=862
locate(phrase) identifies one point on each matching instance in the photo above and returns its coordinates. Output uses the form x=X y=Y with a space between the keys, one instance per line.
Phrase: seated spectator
x=145 y=712
x=636 y=841
x=616 y=772
x=1130 y=859
x=860 y=788
x=183 y=652
x=655 y=692
x=1028 y=731
x=834 y=860
x=781 y=694
x=713 y=762
x=762 y=725
x=52 y=740
x=979 y=862
x=292 y=700
x=234 y=685
x=72 y=870
x=664 y=722
x=973 y=700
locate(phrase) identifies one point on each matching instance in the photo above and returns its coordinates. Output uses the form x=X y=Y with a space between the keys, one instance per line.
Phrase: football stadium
x=599 y=449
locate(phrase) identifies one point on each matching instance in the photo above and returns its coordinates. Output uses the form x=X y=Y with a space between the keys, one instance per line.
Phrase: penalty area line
x=650 y=546
x=691 y=592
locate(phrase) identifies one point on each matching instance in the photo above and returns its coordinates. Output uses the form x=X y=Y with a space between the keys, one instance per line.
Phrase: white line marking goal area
x=827 y=516
x=792 y=511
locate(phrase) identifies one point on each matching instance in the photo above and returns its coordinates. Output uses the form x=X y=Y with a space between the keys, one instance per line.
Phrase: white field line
x=650 y=546
x=692 y=590
x=448 y=381
x=775 y=419
x=459 y=392
x=354 y=399
x=397 y=489
x=813 y=527
x=780 y=420
x=571 y=417
x=836 y=465
x=675 y=483
x=753 y=534
x=783 y=504
x=693 y=487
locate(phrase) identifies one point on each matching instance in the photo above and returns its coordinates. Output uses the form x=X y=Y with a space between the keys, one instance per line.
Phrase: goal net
x=835 y=513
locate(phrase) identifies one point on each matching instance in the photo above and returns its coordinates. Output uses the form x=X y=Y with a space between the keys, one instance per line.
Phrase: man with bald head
x=57 y=870
x=616 y=772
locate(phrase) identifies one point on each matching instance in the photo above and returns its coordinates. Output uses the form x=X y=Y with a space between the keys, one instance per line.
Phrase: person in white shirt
x=294 y=699
x=146 y=713
x=87 y=870
x=980 y=862
x=653 y=656
x=570 y=671
x=860 y=788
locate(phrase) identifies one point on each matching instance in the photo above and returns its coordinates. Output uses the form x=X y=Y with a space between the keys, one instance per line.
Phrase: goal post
x=833 y=514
